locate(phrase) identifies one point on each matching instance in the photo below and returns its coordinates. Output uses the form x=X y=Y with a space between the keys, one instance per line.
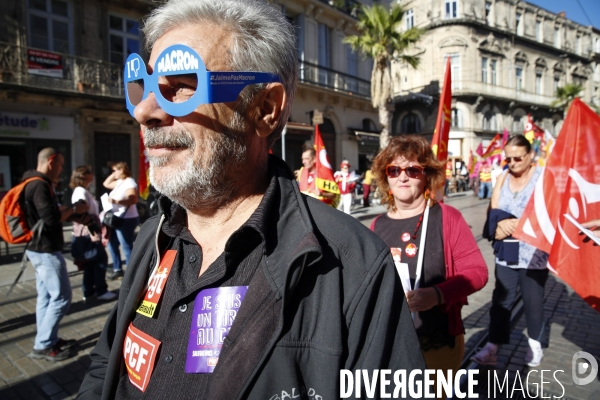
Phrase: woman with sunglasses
x=124 y=197
x=433 y=248
x=528 y=270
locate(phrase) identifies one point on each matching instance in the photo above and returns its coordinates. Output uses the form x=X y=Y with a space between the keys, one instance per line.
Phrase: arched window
x=410 y=124
x=327 y=126
x=368 y=125
x=517 y=125
x=489 y=121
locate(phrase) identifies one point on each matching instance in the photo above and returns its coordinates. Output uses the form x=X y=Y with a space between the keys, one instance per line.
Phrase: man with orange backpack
x=45 y=253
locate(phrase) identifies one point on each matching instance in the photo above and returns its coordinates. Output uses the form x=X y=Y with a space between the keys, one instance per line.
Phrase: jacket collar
x=290 y=241
x=292 y=244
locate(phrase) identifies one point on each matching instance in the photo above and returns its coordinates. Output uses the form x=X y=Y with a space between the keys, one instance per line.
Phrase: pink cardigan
x=466 y=271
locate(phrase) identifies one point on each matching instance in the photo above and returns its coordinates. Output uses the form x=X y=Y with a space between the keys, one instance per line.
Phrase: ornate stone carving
x=453 y=41
x=491 y=45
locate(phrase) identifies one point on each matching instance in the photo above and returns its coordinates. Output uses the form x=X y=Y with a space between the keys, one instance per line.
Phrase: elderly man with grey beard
x=242 y=287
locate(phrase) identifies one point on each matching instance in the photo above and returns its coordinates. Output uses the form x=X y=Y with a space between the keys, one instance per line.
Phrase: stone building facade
x=61 y=66
x=507 y=59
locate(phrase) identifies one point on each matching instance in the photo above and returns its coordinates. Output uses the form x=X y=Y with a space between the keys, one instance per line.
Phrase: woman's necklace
x=520 y=185
x=411 y=248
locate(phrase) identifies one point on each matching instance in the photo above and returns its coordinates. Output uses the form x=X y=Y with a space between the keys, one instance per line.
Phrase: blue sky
x=574 y=12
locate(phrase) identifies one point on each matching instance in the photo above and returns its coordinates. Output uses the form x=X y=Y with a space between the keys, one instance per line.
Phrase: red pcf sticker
x=139 y=352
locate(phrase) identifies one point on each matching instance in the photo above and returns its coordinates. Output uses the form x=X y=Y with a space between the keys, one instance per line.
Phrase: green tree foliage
x=565 y=95
x=381 y=38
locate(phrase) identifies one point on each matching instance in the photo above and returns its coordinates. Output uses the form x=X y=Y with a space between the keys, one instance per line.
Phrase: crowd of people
x=90 y=236
x=313 y=291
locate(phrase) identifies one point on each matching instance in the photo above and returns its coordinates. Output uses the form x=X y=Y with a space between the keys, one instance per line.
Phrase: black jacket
x=40 y=202
x=326 y=297
x=506 y=249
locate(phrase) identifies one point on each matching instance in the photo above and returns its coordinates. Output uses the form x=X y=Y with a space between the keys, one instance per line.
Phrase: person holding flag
x=525 y=268
x=315 y=178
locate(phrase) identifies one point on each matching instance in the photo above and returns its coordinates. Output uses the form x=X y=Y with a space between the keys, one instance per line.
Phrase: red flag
x=494 y=149
x=143 y=178
x=439 y=143
x=479 y=149
x=532 y=131
x=324 y=174
x=504 y=138
x=570 y=185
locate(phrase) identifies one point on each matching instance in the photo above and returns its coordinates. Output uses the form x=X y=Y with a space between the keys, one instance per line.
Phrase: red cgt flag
x=143 y=178
x=570 y=185
x=324 y=176
x=439 y=143
x=494 y=149
x=531 y=130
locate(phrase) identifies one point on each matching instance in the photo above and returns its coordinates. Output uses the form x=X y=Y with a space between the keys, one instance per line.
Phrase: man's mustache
x=167 y=137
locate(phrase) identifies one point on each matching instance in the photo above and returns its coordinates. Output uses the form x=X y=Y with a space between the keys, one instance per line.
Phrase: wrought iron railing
x=101 y=78
x=335 y=80
x=79 y=74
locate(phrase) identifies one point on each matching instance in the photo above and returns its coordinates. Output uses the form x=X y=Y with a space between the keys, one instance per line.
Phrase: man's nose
x=149 y=114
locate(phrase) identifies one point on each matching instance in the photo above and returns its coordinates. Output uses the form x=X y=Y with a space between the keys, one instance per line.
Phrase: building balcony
x=73 y=74
x=472 y=88
x=18 y=66
x=333 y=80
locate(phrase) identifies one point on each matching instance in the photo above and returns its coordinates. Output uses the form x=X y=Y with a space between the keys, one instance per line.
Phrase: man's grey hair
x=263 y=40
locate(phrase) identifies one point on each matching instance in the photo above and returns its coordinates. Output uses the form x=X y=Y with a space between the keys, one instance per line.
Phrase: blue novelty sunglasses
x=194 y=85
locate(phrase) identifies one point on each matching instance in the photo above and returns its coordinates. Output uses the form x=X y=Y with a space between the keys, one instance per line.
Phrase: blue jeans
x=54 y=296
x=123 y=236
x=485 y=190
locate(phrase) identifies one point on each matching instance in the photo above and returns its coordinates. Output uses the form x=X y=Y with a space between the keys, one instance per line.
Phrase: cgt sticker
x=157 y=284
x=139 y=353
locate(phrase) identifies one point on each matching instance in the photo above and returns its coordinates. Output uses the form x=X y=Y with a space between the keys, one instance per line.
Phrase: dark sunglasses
x=394 y=171
x=515 y=159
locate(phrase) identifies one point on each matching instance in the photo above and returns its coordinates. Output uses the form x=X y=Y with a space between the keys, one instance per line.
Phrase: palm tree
x=381 y=39
x=565 y=96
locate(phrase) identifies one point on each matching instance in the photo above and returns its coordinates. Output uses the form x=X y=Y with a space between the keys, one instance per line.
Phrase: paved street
x=572 y=326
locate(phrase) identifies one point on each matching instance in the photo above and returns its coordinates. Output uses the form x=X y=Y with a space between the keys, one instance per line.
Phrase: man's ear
x=269 y=105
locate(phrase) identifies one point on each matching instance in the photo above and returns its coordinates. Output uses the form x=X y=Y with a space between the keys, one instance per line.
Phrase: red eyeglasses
x=412 y=171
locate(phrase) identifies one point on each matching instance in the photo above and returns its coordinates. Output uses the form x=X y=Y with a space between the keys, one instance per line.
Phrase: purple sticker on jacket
x=214 y=312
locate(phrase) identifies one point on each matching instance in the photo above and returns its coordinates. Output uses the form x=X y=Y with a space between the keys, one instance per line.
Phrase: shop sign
x=44 y=63
x=35 y=126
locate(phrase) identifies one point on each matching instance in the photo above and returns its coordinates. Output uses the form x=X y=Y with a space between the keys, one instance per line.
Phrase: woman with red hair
x=433 y=248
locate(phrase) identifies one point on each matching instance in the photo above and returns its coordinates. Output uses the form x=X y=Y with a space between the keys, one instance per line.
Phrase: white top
x=80 y=193
x=118 y=193
x=496 y=172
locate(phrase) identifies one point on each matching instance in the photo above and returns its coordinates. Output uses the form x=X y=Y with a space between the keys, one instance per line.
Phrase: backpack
x=13 y=223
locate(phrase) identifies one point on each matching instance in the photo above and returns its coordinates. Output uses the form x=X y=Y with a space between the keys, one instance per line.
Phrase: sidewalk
x=572 y=326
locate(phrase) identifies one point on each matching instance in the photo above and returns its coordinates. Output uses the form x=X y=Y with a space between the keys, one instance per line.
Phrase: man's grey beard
x=206 y=182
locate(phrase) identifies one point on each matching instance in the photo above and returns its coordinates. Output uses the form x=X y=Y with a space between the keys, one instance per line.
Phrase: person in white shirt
x=124 y=197
x=94 y=268
x=346 y=184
